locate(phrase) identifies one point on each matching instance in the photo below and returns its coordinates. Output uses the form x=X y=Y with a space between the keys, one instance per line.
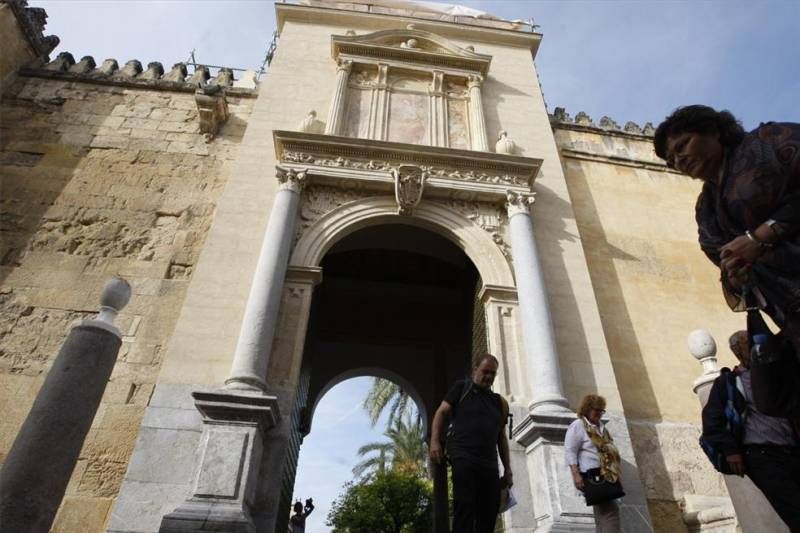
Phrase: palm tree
x=405 y=451
x=383 y=394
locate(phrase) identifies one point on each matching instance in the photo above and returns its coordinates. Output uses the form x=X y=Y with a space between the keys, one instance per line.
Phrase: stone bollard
x=754 y=512
x=38 y=467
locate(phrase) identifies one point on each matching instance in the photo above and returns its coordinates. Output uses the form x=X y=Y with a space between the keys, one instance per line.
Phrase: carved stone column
x=251 y=358
x=378 y=128
x=437 y=115
x=476 y=118
x=537 y=326
x=336 y=110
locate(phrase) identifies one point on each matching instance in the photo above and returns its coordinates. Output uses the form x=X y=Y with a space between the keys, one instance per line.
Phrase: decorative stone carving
x=608 y=124
x=411 y=43
x=109 y=67
x=212 y=109
x=319 y=200
x=433 y=172
x=336 y=109
x=154 y=71
x=350 y=33
x=489 y=217
x=363 y=80
x=177 y=73
x=86 y=64
x=200 y=76
x=131 y=69
x=649 y=129
x=504 y=145
x=632 y=127
x=517 y=202
x=409 y=182
x=583 y=119
x=310 y=124
x=477 y=121
x=61 y=63
x=560 y=115
x=455 y=90
x=291 y=179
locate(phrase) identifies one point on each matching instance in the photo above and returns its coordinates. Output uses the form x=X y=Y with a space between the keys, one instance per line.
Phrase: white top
x=579 y=448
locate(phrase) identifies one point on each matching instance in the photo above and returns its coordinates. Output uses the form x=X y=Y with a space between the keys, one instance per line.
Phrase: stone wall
x=99 y=180
x=653 y=286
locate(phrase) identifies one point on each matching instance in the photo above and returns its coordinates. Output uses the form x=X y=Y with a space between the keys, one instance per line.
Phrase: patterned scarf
x=609 y=455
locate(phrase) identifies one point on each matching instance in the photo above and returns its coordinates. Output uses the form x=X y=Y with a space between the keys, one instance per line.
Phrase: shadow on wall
x=636 y=389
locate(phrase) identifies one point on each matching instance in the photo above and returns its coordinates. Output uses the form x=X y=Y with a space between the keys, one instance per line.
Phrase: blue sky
x=634 y=60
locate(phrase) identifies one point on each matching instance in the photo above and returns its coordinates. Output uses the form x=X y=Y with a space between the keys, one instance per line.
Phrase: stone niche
x=408 y=86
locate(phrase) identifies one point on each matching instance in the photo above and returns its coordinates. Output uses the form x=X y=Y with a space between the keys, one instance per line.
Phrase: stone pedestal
x=557 y=505
x=230 y=457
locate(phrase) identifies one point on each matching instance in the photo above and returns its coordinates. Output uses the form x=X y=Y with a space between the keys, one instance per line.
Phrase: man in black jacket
x=766 y=449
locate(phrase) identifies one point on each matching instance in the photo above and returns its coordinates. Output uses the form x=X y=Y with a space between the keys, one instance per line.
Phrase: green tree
x=386 y=394
x=388 y=502
x=404 y=451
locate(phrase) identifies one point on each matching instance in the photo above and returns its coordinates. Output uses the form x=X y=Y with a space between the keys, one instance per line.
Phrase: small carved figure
x=504 y=145
x=310 y=124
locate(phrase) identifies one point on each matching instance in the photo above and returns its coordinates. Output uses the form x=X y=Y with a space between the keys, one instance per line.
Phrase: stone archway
x=397 y=298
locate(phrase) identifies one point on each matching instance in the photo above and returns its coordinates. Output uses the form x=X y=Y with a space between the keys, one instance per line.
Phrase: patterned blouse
x=760 y=181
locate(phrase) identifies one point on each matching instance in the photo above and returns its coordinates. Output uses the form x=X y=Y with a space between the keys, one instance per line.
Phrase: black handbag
x=596 y=489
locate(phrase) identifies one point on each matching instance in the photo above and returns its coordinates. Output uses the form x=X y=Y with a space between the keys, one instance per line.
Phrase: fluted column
x=476 y=118
x=537 y=325
x=251 y=359
x=336 y=110
x=378 y=125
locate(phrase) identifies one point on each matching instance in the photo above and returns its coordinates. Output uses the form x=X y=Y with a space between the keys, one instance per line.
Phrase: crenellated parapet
x=32 y=21
x=154 y=76
x=560 y=118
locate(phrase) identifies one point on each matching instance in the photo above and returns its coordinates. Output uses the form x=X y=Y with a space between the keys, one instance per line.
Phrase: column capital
x=474 y=80
x=518 y=203
x=344 y=64
x=290 y=179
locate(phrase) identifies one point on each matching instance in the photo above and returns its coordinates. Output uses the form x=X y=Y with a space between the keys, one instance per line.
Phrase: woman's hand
x=577 y=479
x=741 y=252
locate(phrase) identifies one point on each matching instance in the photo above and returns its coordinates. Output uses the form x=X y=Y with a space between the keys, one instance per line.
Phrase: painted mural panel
x=457 y=123
x=408 y=118
x=356 y=118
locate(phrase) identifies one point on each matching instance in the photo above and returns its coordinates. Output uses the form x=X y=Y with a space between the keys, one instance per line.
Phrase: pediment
x=412 y=46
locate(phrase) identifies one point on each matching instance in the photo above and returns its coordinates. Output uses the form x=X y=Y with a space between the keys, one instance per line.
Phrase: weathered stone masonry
x=100 y=177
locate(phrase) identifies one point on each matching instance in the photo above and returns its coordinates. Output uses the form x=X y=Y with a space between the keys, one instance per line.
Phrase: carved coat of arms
x=409 y=180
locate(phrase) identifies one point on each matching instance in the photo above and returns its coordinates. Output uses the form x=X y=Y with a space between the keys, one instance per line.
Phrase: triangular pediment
x=411 y=45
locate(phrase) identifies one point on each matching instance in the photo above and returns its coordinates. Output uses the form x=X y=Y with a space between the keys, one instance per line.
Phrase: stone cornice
x=385 y=45
x=365 y=163
x=454 y=30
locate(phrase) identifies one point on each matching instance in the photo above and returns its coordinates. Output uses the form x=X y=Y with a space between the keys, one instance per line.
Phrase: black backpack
x=734 y=424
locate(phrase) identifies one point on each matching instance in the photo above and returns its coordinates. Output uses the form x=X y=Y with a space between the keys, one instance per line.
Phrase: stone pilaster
x=253 y=349
x=336 y=110
x=437 y=114
x=378 y=122
x=476 y=118
x=537 y=333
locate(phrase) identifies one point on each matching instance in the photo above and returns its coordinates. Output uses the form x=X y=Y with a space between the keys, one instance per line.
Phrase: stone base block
x=200 y=517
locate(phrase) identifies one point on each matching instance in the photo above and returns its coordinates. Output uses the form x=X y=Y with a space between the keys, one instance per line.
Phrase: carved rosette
x=290 y=179
x=409 y=181
x=519 y=203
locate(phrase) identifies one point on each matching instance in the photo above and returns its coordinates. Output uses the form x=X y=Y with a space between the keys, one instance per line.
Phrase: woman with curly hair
x=590 y=453
x=748 y=213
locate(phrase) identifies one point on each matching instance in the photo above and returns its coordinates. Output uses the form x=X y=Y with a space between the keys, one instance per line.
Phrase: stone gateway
x=346 y=215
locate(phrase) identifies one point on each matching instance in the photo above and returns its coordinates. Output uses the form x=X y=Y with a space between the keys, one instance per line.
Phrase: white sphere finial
x=701 y=344
x=115 y=296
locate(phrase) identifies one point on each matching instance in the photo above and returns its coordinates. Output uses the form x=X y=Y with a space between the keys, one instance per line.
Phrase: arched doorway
x=396 y=301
